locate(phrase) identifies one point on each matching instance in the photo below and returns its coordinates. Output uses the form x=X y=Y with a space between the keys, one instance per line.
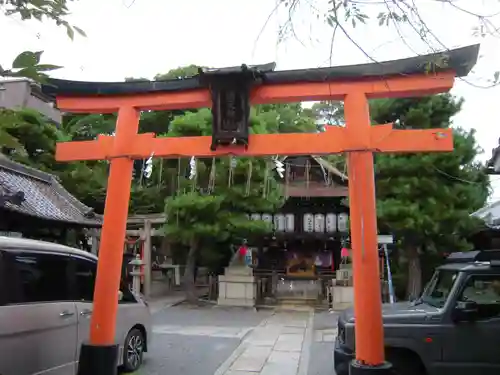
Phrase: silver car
x=46 y=293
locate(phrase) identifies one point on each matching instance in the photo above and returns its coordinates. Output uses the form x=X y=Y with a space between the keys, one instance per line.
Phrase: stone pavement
x=278 y=346
x=195 y=340
x=191 y=340
x=325 y=333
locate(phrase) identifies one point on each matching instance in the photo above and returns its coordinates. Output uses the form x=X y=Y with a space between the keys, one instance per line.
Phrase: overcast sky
x=127 y=38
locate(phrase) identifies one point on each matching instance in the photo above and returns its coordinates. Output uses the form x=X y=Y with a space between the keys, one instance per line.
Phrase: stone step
x=296 y=301
x=293 y=307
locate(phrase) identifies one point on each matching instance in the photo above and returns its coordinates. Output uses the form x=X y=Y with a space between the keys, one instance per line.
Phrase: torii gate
x=352 y=84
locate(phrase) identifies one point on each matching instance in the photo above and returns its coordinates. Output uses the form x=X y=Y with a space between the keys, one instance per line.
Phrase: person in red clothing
x=242 y=251
x=344 y=255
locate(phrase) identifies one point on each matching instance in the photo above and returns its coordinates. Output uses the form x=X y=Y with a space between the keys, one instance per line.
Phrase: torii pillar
x=359 y=139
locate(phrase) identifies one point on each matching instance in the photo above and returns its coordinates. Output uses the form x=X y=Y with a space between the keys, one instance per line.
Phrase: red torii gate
x=359 y=139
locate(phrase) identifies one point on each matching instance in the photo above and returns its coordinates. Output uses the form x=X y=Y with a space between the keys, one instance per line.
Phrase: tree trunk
x=414 y=287
x=189 y=282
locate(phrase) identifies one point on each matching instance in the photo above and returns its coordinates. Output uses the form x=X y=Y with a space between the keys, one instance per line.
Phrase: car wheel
x=133 y=350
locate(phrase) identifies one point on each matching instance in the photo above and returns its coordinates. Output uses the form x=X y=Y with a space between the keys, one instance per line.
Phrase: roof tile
x=44 y=196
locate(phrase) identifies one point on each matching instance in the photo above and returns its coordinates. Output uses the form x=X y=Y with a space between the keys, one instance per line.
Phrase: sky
x=140 y=38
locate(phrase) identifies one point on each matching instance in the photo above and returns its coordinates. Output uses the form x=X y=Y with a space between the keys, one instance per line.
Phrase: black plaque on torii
x=230 y=90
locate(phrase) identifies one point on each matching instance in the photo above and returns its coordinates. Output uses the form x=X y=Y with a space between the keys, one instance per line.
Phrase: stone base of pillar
x=237 y=287
x=357 y=368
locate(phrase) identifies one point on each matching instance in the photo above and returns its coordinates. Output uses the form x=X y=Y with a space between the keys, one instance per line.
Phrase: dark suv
x=453 y=328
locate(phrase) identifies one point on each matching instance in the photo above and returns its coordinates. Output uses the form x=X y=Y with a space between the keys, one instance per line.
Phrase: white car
x=46 y=293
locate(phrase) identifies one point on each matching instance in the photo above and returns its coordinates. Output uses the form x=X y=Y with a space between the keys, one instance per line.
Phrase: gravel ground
x=186 y=355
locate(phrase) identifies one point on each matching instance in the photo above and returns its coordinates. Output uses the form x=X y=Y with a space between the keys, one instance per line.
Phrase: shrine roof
x=459 y=60
x=330 y=168
x=324 y=164
x=41 y=195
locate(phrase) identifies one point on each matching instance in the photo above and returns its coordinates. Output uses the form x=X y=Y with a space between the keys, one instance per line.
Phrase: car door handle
x=86 y=312
x=66 y=313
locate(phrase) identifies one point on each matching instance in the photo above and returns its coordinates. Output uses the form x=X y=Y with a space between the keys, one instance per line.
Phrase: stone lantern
x=136 y=273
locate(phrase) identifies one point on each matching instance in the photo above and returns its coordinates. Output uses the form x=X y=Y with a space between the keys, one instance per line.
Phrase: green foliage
x=328 y=113
x=27 y=63
x=222 y=214
x=147 y=199
x=32 y=138
x=88 y=127
x=87 y=181
x=426 y=199
x=219 y=211
x=179 y=73
x=282 y=118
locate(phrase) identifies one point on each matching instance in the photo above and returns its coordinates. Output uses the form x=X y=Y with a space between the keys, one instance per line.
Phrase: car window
x=85 y=273
x=36 y=277
x=485 y=291
x=85 y=276
x=439 y=288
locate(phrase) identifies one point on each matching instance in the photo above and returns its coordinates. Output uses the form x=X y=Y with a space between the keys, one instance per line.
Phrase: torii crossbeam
x=359 y=139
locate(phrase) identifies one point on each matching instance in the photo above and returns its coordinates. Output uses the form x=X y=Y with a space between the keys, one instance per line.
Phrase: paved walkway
x=278 y=346
x=325 y=335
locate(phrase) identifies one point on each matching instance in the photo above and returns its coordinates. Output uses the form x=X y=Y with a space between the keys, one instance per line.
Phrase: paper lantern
x=331 y=223
x=319 y=223
x=267 y=218
x=255 y=216
x=343 y=222
x=279 y=222
x=290 y=222
x=308 y=223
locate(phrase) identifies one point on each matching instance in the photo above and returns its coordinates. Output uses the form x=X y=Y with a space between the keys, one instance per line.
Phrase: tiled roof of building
x=40 y=194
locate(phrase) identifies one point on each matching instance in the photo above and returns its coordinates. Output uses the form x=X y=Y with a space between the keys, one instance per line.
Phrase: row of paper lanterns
x=319 y=223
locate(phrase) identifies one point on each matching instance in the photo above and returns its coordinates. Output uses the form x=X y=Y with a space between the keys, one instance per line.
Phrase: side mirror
x=120 y=295
x=465 y=311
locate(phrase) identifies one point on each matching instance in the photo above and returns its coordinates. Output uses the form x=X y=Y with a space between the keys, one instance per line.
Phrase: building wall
x=22 y=93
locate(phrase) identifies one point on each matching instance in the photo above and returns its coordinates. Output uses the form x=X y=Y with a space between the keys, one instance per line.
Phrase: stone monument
x=237 y=287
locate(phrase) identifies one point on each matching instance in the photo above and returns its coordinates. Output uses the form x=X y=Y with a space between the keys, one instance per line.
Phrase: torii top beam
x=416 y=76
x=396 y=78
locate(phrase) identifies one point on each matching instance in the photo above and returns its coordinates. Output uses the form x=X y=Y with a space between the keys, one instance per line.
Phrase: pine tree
x=426 y=200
